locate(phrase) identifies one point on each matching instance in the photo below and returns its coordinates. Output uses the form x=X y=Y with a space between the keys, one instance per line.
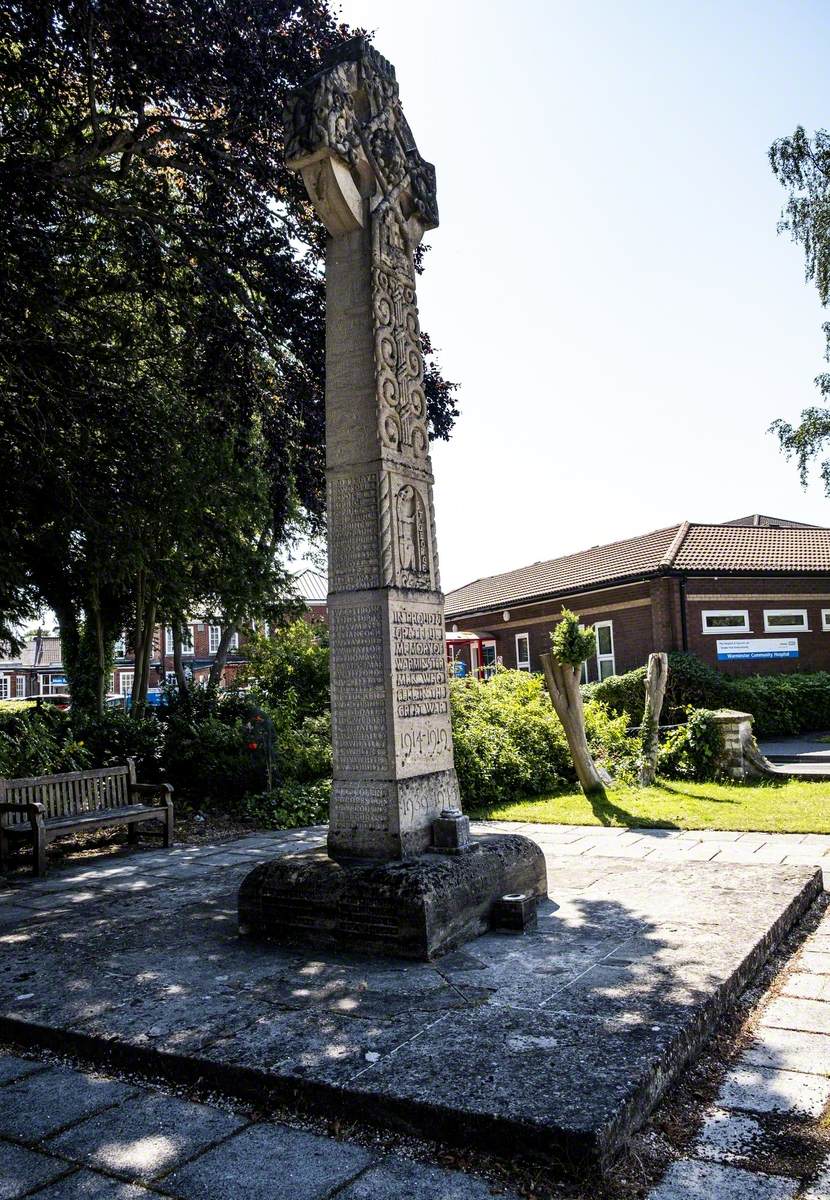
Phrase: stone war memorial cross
x=401 y=875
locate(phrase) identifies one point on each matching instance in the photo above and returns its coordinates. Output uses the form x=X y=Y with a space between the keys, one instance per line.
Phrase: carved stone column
x=395 y=793
x=393 y=758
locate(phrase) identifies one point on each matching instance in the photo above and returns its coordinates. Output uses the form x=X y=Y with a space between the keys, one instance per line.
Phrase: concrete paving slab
x=12 y=1067
x=767 y=1090
x=88 y=1185
x=396 y=1178
x=816 y=961
x=807 y=986
x=42 y=1104
x=146 y=1137
x=819 y=1188
x=268 y=1162
x=787 y=1012
x=729 y=1137
x=690 y=1180
x=790 y=1050
x=22 y=1170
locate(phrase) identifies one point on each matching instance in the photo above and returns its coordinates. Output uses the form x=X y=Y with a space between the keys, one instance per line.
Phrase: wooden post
x=563 y=686
x=657 y=675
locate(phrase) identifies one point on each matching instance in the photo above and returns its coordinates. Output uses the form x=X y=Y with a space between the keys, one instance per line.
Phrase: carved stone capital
x=347 y=134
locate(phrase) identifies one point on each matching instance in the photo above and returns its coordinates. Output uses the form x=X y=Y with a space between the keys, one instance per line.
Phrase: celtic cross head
x=347 y=134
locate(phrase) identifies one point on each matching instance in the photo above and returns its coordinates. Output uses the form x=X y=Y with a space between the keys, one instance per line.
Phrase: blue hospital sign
x=732 y=649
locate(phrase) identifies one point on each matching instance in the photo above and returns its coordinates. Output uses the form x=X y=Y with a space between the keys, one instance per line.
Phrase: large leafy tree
x=802 y=166
x=161 y=315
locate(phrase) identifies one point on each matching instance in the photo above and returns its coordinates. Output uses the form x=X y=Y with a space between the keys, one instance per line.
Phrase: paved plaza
x=647 y=940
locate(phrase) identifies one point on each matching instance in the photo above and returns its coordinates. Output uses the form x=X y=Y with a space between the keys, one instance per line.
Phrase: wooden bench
x=51 y=806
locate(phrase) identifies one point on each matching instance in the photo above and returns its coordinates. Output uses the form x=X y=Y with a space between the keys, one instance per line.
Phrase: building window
x=187 y=640
x=20 y=686
x=234 y=642
x=5 y=687
x=214 y=637
x=726 y=620
x=112 y=684
x=489 y=660
x=785 y=620
x=523 y=651
x=126 y=682
x=583 y=672
x=120 y=647
x=604 y=631
x=825 y=619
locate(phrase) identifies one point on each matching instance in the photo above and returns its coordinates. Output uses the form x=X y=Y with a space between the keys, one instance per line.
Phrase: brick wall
x=754 y=595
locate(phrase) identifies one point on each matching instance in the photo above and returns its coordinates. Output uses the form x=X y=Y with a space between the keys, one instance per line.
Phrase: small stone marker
x=395 y=792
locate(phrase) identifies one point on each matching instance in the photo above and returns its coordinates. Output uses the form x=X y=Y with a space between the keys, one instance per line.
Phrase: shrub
x=510 y=743
x=304 y=754
x=115 y=736
x=291 y=805
x=40 y=741
x=692 y=750
x=779 y=704
x=290 y=669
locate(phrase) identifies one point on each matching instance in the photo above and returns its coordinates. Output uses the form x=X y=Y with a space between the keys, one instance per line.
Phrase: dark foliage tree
x=161 y=316
x=802 y=166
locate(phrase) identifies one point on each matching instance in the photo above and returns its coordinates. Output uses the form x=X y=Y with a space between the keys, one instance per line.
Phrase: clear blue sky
x=607 y=283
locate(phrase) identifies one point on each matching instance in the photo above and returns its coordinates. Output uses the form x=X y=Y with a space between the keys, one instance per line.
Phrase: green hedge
x=780 y=704
x=509 y=742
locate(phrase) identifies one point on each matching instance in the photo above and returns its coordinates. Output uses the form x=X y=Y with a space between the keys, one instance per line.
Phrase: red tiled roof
x=785 y=548
x=794 y=550
x=617 y=561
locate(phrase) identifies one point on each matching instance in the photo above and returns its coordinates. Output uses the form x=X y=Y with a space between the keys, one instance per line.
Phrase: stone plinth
x=418 y=908
x=741 y=757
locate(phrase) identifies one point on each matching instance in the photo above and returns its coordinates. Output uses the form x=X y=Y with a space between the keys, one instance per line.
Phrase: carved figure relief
x=413 y=538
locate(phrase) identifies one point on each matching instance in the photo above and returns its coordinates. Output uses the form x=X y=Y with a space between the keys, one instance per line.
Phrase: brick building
x=38 y=669
x=747 y=596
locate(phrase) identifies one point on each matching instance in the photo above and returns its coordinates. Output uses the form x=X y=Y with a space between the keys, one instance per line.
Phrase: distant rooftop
x=754 y=544
x=312 y=586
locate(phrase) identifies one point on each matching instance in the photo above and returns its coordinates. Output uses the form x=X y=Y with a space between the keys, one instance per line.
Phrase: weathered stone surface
x=417 y=908
x=788 y=1012
x=689 y=1180
x=22 y=1170
x=145 y=1138
x=269 y=1162
x=391 y=734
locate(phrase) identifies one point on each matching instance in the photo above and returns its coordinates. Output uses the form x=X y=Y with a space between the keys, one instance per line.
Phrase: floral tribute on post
x=401 y=874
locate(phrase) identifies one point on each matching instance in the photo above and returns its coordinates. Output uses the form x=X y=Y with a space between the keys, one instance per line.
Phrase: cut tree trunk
x=657 y=675
x=563 y=686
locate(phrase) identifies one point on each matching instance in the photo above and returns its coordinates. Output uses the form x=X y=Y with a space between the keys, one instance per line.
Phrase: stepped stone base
x=416 y=908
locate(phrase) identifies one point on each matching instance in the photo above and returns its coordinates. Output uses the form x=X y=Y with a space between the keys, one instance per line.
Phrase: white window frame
x=214 y=632
x=187 y=640
x=488 y=670
x=120 y=648
x=825 y=619
x=523 y=662
x=583 y=672
x=5 y=687
x=725 y=630
x=605 y=658
x=784 y=612
x=234 y=644
x=20 y=686
x=125 y=683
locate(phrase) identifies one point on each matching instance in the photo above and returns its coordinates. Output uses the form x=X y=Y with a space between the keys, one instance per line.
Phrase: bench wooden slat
x=67 y=776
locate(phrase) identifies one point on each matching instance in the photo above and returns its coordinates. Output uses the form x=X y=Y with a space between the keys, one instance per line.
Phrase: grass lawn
x=791 y=807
